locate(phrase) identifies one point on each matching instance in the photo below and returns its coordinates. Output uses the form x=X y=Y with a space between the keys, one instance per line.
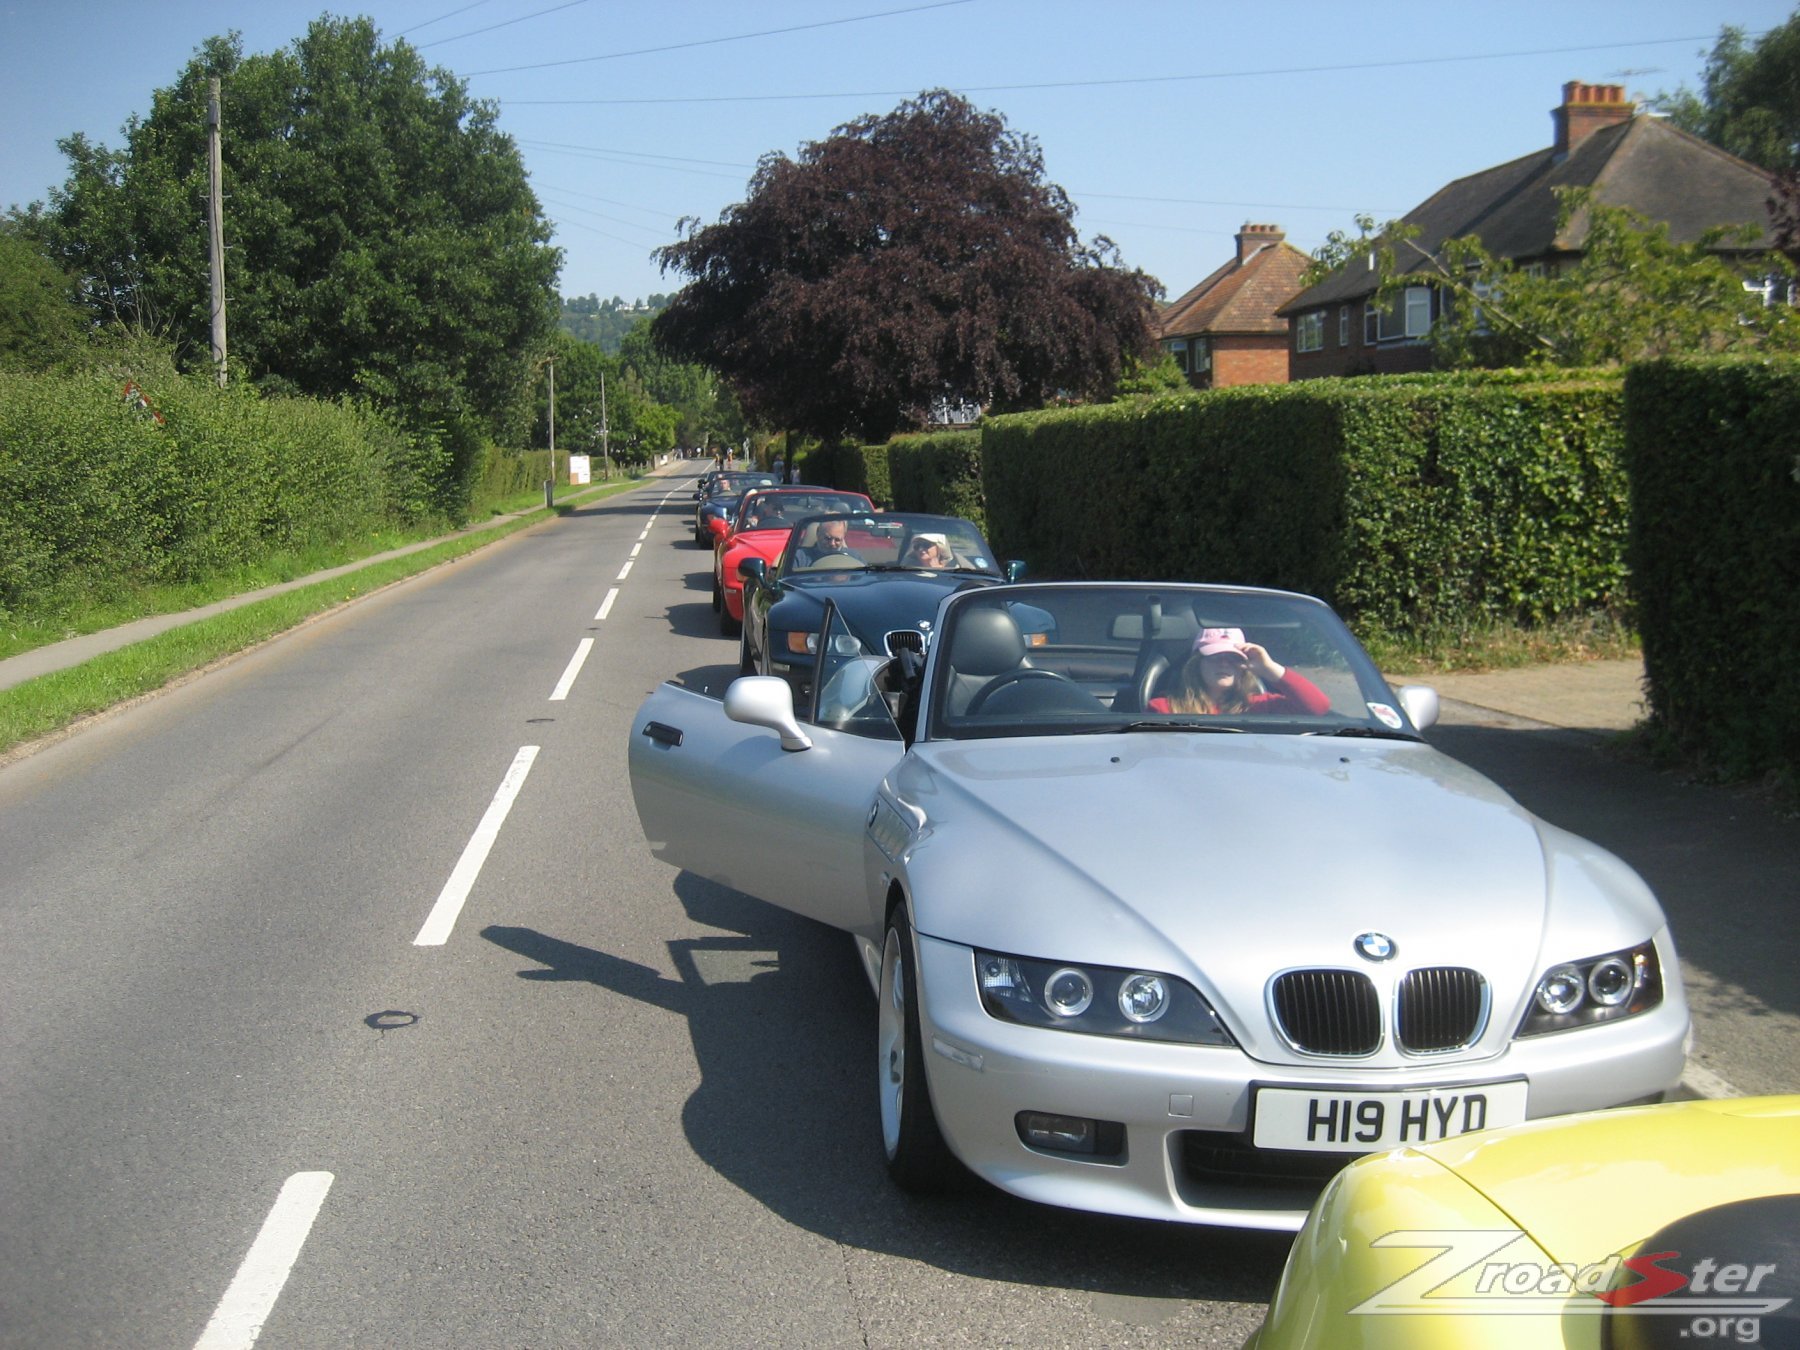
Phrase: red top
x=1292 y=693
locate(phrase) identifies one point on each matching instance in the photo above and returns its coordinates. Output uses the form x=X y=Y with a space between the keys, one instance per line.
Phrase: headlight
x=802 y=644
x=1096 y=1000
x=1595 y=989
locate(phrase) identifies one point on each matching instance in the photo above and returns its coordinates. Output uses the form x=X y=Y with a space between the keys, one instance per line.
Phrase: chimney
x=1585 y=109
x=1254 y=237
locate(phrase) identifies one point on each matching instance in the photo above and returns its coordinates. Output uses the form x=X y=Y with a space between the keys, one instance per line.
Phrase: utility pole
x=605 y=445
x=550 y=482
x=216 y=226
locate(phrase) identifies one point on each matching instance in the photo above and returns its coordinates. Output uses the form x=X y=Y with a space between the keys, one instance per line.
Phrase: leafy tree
x=1749 y=104
x=638 y=426
x=1749 y=98
x=909 y=256
x=1632 y=294
x=40 y=322
x=381 y=233
x=1154 y=376
x=606 y=322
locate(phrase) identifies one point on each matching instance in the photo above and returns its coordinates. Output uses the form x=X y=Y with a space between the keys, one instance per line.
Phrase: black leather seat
x=987 y=643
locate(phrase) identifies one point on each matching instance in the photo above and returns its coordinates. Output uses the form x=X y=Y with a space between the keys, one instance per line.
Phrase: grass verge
x=78 y=613
x=1592 y=637
x=51 y=703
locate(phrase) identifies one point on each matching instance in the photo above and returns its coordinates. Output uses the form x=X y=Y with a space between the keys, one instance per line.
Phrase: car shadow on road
x=1725 y=865
x=783 y=1027
x=696 y=618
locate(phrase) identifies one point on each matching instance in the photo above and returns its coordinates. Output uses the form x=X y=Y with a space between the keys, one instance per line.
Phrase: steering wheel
x=1154 y=669
x=1007 y=680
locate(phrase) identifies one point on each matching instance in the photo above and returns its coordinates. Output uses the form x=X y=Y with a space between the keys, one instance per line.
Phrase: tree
x=40 y=322
x=1749 y=104
x=907 y=257
x=1749 y=99
x=381 y=233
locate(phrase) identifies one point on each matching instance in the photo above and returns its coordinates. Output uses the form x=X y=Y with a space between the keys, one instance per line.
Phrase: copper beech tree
x=909 y=258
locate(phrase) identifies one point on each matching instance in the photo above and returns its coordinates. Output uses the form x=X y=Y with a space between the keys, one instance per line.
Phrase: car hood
x=1227 y=858
x=1588 y=1186
x=875 y=602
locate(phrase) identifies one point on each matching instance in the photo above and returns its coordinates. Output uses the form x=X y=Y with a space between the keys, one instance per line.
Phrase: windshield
x=780 y=508
x=900 y=541
x=1081 y=658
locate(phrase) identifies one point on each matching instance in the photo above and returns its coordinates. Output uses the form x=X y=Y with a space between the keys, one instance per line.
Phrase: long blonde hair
x=1192 y=696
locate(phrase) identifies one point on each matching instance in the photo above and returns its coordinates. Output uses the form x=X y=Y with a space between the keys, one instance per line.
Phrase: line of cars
x=1138 y=950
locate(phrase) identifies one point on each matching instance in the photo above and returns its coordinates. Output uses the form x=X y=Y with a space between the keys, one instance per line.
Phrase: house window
x=1343 y=325
x=1202 y=355
x=1371 y=324
x=1774 y=289
x=1407 y=315
x=1178 y=348
x=1309 y=331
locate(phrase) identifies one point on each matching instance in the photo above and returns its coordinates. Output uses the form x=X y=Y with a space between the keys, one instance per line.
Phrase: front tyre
x=918 y=1159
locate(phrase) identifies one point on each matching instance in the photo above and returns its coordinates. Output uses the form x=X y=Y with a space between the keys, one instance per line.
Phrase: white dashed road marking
x=249 y=1300
x=468 y=867
x=573 y=669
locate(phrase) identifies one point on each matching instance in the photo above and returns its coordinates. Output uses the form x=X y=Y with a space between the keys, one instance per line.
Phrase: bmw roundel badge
x=1374 y=946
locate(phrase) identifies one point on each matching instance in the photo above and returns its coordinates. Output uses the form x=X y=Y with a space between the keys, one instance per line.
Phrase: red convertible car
x=759 y=529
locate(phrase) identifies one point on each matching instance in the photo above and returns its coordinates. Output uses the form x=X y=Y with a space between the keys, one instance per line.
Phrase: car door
x=724 y=800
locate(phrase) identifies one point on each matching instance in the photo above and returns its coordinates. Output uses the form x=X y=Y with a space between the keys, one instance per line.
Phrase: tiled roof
x=1642 y=163
x=1239 y=297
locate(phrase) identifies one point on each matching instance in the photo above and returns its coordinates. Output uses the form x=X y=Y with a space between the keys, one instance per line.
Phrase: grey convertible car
x=1172 y=913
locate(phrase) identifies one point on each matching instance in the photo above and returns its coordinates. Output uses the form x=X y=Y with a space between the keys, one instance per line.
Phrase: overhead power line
x=712 y=42
x=1394 y=64
x=506 y=23
x=440 y=18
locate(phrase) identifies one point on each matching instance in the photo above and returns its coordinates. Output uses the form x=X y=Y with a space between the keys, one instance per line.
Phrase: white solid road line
x=239 y=1318
x=573 y=669
x=606 y=604
x=456 y=890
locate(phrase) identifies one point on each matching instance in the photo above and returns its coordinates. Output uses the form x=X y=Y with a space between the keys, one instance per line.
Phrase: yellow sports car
x=1646 y=1226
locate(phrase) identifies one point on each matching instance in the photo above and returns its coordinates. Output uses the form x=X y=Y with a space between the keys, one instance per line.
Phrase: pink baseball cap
x=1212 y=641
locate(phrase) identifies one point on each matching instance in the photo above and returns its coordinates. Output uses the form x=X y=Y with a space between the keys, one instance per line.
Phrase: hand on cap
x=1266 y=667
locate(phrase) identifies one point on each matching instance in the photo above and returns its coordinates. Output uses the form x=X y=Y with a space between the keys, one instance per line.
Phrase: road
x=255 y=965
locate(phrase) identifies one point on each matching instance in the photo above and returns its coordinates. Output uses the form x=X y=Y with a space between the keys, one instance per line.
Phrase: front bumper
x=1186 y=1109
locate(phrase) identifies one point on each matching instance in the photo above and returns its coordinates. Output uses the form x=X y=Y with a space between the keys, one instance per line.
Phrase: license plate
x=1363 y=1122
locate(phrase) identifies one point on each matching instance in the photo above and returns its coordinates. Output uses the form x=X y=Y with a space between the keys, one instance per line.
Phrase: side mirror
x=1420 y=703
x=753 y=569
x=766 y=701
x=1016 y=570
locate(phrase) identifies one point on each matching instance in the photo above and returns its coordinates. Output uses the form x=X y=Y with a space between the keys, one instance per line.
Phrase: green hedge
x=937 y=471
x=1413 y=506
x=178 y=480
x=1714 y=459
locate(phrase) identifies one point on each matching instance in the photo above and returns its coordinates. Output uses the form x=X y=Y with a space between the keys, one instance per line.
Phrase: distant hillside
x=591 y=319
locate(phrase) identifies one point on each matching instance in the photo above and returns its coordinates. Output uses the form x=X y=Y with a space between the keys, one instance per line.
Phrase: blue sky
x=1170 y=122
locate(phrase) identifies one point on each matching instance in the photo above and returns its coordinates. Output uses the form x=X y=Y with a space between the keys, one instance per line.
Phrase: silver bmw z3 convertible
x=1169 y=909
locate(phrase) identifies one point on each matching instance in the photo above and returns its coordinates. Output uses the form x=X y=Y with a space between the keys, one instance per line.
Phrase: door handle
x=662 y=733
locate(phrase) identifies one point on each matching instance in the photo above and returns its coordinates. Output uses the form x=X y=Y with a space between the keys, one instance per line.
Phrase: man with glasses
x=832 y=540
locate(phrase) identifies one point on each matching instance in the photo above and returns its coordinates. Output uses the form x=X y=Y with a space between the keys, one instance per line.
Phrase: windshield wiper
x=1193 y=724
x=1368 y=733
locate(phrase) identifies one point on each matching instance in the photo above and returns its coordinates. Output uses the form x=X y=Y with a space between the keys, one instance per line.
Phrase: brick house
x=1627 y=158
x=1226 y=330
